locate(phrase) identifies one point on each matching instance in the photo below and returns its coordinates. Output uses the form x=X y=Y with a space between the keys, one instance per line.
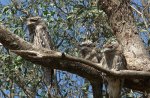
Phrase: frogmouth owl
x=90 y=52
x=40 y=37
x=113 y=59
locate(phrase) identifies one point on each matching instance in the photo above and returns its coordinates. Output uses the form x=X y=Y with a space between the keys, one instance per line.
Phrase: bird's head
x=110 y=47
x=87 y=43
x=33 y=20
x=86 y=47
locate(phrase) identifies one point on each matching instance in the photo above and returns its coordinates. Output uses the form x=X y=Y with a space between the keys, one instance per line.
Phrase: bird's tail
x=48 y=75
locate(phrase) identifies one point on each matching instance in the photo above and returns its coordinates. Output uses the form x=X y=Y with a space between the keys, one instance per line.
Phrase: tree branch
x=14 y=42
x=46 y=57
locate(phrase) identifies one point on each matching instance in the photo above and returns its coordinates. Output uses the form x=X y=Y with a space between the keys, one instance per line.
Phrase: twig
x=59 y=7
x=141 y=14
x=4 y=93
x=20 y=9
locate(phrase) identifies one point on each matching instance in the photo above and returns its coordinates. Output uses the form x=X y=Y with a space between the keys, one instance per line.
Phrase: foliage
x=69 y=22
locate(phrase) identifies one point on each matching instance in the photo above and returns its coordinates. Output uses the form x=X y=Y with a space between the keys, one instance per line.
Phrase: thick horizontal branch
x=15 y=43
x=61 y=56
x=62 y=61
x=26 y=50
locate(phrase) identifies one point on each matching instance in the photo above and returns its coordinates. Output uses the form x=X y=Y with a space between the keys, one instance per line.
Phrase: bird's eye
x=110 y=46
x=33 y=20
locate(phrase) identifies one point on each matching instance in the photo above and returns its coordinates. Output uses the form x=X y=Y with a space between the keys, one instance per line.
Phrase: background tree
x=69 y=23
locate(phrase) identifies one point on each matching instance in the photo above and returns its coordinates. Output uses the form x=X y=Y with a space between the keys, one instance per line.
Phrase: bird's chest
x=41 y=39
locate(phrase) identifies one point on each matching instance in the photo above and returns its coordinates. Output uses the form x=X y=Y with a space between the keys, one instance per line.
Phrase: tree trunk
x=97 y=89
x=121 y=20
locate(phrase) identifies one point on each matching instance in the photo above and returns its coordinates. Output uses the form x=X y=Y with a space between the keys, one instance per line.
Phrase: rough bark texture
x=63 y=62
x=36 y=55
x=121 y=20
x=97 y=89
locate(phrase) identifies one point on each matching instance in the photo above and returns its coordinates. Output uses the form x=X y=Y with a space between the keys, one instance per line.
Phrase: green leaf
x=19 y=58
x=140 y=24
x=52 y=13
x=143 y=30
x=79 y=12
x=45 y=12
x=5 y=9
x=148 y=42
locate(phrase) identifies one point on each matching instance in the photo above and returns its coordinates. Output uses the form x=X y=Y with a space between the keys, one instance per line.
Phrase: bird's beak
x=105 y=50
x=32 y=20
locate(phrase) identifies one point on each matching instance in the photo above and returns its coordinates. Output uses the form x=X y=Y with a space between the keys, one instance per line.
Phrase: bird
x=113 y=59
x=90 y=52
x=39 y=36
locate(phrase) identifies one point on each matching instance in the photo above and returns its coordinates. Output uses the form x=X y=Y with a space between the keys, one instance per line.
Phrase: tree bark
x=97 y=89
x=122 y=22
x=71 y=64
x=121 y=19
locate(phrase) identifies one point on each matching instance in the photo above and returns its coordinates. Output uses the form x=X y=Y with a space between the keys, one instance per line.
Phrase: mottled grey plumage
x=90 y=52
x=113 y=59
x=39 y=36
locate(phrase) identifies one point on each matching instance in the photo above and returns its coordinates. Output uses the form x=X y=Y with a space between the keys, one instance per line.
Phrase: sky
x=4 y=2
